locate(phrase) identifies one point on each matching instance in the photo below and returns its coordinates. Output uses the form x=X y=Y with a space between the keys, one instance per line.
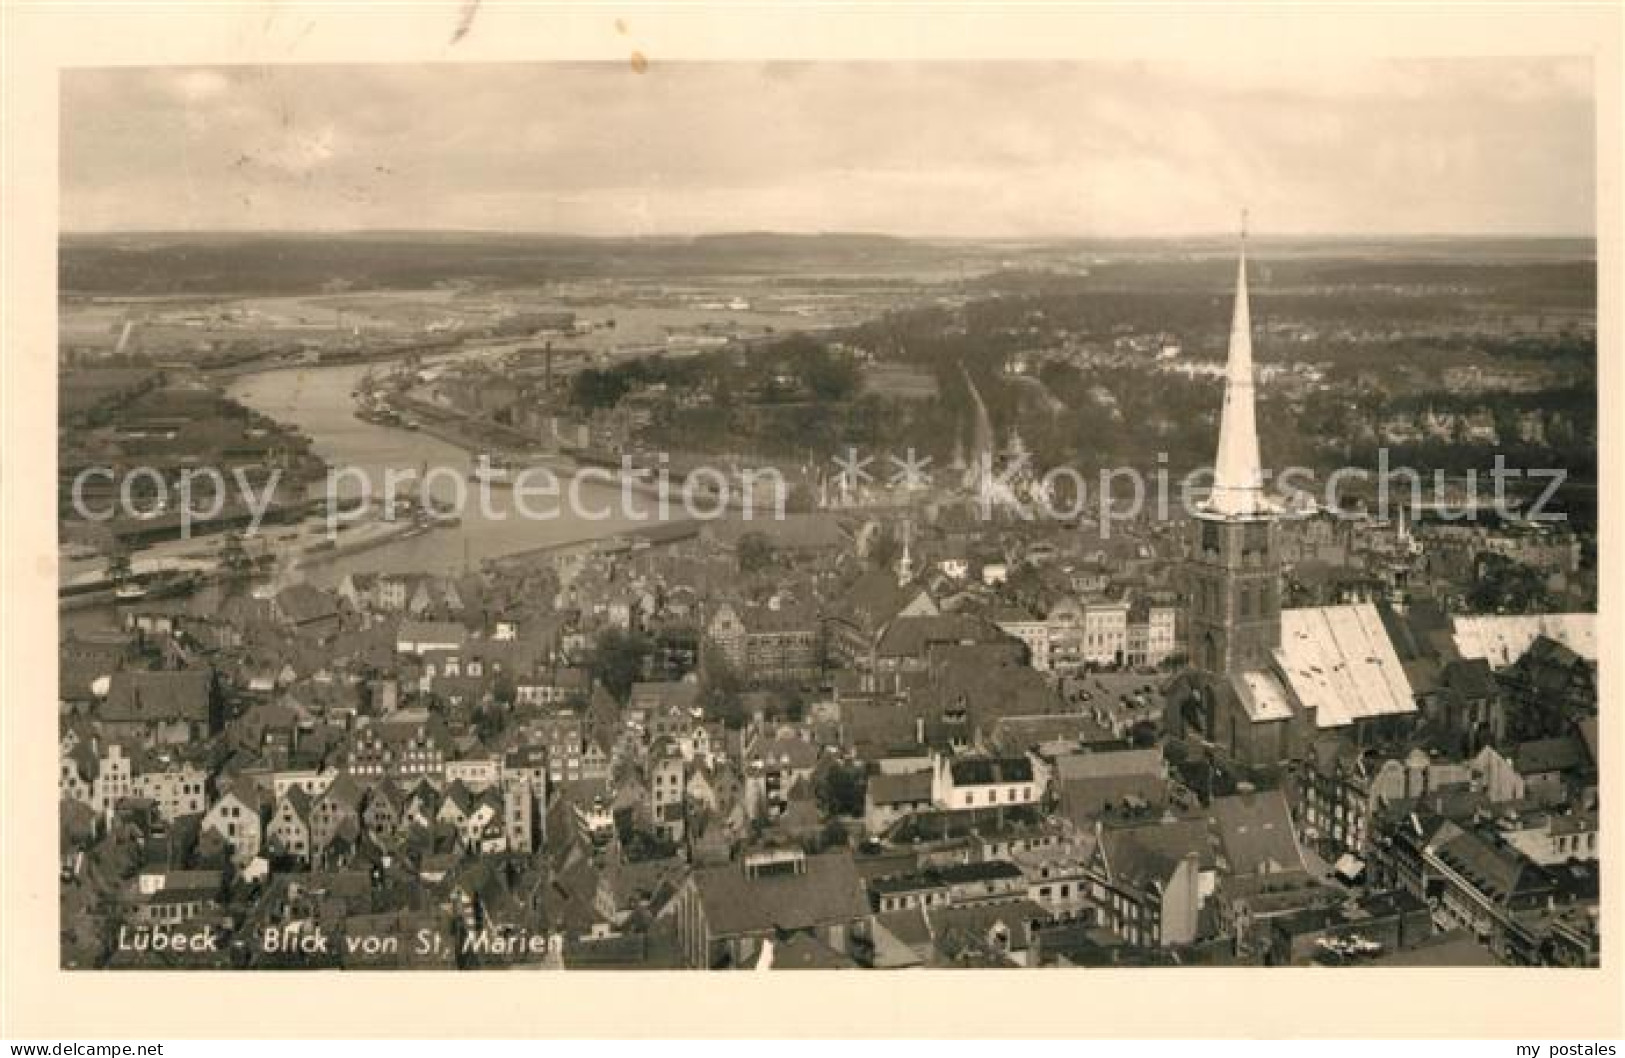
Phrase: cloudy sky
x=984 y=150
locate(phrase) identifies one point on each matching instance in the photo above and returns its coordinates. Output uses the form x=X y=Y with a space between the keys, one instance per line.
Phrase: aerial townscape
x=897 y=725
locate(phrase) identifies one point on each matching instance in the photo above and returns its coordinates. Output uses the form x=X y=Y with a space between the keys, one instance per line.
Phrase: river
x=317 y=400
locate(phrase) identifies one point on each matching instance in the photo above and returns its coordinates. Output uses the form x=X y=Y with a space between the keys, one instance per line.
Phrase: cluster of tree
x=619 y=659
x=754 y=553
x=640 y=843
x=1505 y=585
x=596 y=388
x=840 y=787
x=722 y=689
x=793 y=370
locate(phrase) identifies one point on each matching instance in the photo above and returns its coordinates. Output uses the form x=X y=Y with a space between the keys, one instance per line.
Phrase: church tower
x=1234 y=572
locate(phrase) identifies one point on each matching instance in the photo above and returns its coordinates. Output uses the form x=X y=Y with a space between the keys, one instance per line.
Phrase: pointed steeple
x=1238 y=483
x=905 y=564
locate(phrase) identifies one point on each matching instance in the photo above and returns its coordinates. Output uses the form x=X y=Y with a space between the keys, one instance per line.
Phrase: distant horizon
x=1253 y=237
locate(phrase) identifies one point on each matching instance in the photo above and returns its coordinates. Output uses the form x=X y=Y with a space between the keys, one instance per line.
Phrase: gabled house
x=289 y=832
x=404 y=748
x=335 y=812
x=383 y=810
x=236 y=818
x=858 y=619
x=1149 y=881
x=178 y=788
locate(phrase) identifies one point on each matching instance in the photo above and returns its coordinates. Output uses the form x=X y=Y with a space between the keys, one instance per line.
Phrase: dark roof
x=1500 y=874
x=802 y=952
x=1110 y=764
x=959 y=824
x=1563 y=753
x=431 y=632
x=155 y=697
x=787 y=617
x=1256 y=832
x=299 y=801
x=985 y=771
x=988 y=870
x=826 y=891
x=681 y=694
x=792 y=752
x=975 y=921
x=1587 y=728
x=1148 y=853
x=628 y=951
x=1471 y=677
x=989 y=681
x=877 y=727
x=1015 y=734
x=1084 y=800
x=909 y=637
x=907 y=925
x=885 y=789
x=301 y=603
x=872 y=600
x=941 y=876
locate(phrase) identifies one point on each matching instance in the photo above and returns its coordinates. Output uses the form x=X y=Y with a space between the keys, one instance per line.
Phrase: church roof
x=1339 y=662
x=1503 y=639
x=1261 y=695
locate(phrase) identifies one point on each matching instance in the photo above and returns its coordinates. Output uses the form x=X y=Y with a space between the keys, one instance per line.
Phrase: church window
x=1210 y=537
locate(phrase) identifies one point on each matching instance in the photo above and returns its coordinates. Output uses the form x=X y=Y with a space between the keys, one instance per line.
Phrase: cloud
x=915 y=148
x=198 y=86
x=299 y=152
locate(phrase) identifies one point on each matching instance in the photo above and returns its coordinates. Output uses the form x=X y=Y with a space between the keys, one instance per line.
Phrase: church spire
x=905 y=565
x=1238 y=484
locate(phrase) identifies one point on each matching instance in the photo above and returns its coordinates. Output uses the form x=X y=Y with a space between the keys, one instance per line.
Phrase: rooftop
x=1340 y=663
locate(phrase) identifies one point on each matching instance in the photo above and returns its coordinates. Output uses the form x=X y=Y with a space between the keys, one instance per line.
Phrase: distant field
x=171 y=264
x=633 y=318
x=289 y=264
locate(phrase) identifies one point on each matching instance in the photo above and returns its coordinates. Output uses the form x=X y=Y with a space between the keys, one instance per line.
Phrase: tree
x=830 y=378
x=840 y=789
x=617 y=660
x=118 y=565
x=233 y=556
x=490 y=720
x=884 y=548
x=721 y=688
x=593 y=388
x=755 y=552
x=789 y=704
x=1505 y=585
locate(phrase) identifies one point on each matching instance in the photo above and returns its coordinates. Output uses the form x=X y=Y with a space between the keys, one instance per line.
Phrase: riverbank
x=202 y=566
x=664 y=535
